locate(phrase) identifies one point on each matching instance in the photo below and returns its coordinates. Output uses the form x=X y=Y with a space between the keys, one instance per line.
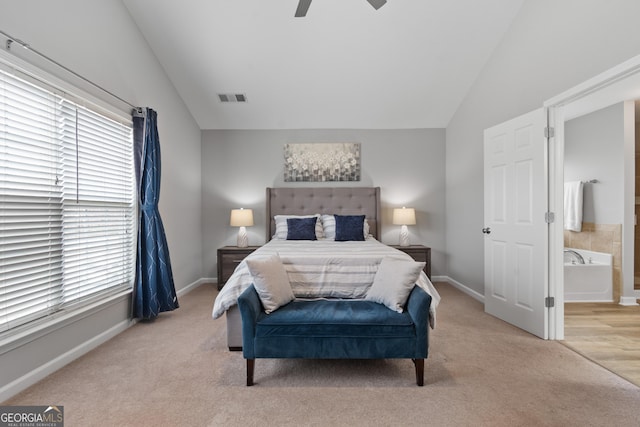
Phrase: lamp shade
x=404 y=216
x=241 y=218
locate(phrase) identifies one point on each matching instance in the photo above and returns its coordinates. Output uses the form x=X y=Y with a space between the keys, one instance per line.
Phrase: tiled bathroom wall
x=605 y=238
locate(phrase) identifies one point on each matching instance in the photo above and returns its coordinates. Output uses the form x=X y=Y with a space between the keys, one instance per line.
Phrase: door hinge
x=549 y=132
x=549 y=302
x=549 y=217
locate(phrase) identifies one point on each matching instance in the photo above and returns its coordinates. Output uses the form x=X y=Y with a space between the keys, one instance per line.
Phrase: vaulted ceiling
x=343 y=66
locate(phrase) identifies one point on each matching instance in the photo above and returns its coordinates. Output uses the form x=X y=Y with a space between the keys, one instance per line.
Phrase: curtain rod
x=11 y=40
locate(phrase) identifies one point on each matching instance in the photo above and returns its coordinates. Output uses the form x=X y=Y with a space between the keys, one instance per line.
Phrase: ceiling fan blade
x=303 y=6
x=377 y=4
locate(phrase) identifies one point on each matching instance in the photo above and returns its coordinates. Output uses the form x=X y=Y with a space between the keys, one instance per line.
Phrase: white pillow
x=282 y=230
x=329 y=227
x=271 y=282
x=393 y=282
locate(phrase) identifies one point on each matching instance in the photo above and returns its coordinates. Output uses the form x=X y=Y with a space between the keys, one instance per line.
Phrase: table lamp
x=242 y=218
x=404 y=217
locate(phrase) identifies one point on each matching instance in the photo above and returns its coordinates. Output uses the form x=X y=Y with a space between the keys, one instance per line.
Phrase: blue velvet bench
x=335 y=329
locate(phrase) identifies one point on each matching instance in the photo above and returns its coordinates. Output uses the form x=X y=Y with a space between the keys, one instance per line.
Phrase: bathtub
x=588 y=282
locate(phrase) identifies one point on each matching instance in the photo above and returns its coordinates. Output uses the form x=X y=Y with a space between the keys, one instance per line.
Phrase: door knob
x=486 y=230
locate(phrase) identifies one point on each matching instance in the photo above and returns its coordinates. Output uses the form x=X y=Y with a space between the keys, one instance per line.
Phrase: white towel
x=573 y=205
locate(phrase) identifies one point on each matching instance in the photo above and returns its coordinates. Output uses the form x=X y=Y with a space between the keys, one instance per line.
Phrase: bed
x=322 y=268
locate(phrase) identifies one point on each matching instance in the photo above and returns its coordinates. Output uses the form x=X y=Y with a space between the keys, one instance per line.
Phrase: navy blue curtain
x=154 y=291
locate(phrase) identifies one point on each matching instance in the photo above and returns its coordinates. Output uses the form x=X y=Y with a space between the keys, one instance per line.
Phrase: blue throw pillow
x=301 y=228
x=349 y=228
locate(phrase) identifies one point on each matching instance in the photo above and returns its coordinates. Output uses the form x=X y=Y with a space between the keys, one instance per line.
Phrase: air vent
x=232 y=97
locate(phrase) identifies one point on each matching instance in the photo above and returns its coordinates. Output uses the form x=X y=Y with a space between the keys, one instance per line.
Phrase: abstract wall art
x=322 y=162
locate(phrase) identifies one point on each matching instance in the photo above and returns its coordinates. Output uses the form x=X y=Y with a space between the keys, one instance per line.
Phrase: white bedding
x=322 y=269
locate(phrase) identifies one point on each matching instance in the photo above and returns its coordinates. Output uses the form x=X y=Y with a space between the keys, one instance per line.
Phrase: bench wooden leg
x=419 y=371
x=250 y=365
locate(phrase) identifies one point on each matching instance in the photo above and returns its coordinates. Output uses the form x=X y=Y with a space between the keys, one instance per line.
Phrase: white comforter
x=322 y=269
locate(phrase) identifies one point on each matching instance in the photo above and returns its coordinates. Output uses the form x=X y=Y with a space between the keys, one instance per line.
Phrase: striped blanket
x=322 y=269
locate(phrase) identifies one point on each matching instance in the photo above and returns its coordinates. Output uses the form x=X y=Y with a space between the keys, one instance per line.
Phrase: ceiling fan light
x=377 y=4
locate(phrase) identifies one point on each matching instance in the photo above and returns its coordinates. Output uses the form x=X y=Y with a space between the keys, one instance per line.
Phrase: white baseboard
x=473 y=294
x=628 y=301
x=185 y=290
x=50 y=367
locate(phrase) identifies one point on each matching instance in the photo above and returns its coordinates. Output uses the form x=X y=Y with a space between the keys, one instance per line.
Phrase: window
x=67 y=211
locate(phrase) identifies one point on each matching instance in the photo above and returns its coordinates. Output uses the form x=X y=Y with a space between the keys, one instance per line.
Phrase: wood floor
x=608 y=334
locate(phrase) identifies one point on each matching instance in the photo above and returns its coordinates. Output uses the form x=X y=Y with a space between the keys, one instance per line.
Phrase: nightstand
x=419 y=253
x=228 y=259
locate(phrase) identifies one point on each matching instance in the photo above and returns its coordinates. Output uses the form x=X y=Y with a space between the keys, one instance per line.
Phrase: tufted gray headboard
x=324 y=200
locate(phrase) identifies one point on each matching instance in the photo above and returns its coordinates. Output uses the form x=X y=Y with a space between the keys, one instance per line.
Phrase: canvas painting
x=322 y=162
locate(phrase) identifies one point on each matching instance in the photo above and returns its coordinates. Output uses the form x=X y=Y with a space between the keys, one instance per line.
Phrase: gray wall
x=594 y=149
x=551 y=46
x=408 y=166
x=99 y=40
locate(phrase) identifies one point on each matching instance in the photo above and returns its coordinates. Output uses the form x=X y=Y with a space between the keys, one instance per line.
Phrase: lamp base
x=404 y=236
x=243 y=240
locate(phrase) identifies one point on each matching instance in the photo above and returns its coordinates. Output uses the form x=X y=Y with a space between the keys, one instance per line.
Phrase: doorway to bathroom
x=596 y=325
x=619 y=85
x=594 y=192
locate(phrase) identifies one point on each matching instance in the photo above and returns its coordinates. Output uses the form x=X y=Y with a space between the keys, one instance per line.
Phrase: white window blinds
x=98 y=197
x=67 y=211
x=30 y=204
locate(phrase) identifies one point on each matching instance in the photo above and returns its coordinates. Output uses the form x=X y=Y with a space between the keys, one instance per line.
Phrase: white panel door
x=516 y=235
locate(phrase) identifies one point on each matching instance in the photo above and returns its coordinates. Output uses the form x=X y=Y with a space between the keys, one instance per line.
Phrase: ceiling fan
x=303 y=6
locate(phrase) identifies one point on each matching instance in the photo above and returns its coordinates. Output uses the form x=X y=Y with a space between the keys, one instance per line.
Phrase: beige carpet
x=177 y=371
